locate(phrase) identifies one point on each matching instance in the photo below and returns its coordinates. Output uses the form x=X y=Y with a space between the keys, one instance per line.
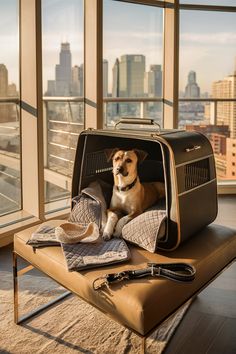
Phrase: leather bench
x=141 y=304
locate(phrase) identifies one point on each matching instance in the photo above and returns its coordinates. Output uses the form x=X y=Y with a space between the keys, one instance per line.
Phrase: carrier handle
x=138 y=121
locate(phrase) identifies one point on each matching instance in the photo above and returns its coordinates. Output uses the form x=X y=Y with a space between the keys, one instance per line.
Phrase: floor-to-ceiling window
x=132 y=61
x=207 y=79
x=63 y=90
x=140 y=44
x=10 y=171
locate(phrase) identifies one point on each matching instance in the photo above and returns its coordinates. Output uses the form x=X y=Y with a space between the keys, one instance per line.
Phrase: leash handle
x=182 y=272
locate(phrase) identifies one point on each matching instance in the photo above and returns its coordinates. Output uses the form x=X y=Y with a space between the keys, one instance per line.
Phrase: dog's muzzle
x=121 y=170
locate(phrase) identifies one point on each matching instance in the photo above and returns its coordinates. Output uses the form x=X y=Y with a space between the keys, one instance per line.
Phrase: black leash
x=181 y=272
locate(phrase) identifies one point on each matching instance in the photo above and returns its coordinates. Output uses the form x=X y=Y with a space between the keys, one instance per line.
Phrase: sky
x=207 y=46
x=207 y=39
x=9 y=38
x=62 y=21
x=132 y=29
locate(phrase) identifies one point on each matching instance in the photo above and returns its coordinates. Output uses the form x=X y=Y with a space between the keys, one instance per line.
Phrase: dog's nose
x=120 y=169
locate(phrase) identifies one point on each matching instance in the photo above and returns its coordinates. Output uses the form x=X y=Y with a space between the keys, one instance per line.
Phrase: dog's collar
x=128 y=187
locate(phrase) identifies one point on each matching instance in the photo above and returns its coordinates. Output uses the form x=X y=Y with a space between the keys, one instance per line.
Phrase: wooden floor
x=210 y=324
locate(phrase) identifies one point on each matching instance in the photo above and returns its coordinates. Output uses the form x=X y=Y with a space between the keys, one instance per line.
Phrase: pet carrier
x=183 y=160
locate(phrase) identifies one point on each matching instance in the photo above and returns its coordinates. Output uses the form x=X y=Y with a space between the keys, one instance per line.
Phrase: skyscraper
x=226 y=111
x=61 y=86
x=153 y=81
x=105 y=78
x=75 y=80
x=3 y=80
x=115 y=79
x=63 y=71
x=192 y=90
x=115 y=87
x=77 y=88
x=6 y=111
x=131 y=75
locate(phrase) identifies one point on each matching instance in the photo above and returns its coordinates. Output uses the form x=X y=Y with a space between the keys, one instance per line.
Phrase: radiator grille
x=96 y=162
x=196 y=173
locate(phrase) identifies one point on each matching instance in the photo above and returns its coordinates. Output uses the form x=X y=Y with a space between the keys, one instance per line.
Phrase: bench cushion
x=140 y=304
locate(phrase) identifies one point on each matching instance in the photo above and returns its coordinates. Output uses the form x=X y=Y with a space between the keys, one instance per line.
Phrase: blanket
x=79 y=238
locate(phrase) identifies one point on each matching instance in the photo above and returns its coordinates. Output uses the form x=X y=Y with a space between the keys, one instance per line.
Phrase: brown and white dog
x=129 y=198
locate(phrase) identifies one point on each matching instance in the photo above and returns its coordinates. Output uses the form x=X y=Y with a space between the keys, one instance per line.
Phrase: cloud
x=117 y=35
x=52 y=42
x=228 y=38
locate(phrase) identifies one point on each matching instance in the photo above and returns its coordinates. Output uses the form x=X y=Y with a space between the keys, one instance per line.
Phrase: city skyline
x=207 y=39
x=149 y=78
x=146 y=71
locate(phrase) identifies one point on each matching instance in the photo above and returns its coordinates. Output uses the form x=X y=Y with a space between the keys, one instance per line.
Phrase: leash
x=182 y=272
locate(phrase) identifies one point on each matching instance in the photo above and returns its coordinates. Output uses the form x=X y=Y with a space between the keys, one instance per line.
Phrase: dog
x=129 y=197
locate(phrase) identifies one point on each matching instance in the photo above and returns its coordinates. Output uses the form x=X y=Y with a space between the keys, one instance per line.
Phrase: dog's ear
x=141 y=155
x=109 y=153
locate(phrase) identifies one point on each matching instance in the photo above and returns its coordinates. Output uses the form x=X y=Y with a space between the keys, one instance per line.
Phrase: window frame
x=223 y=187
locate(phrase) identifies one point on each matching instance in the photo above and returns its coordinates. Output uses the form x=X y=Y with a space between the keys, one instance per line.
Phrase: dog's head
x=125 y=161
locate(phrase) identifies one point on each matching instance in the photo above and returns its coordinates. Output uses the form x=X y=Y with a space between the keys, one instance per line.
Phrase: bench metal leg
x=16 y=273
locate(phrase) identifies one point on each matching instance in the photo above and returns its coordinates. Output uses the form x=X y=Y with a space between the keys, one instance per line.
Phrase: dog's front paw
x=106 y=236
x=119 y=226
x=117 y=232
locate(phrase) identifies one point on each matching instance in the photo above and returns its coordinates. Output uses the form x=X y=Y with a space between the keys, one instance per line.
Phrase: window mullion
x=93 y=79
x=31 y=107
x=171 y=66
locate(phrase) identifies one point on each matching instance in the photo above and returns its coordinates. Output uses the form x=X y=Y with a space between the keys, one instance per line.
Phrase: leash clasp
x=107 y=279
x=100 y=282
x=155 y=269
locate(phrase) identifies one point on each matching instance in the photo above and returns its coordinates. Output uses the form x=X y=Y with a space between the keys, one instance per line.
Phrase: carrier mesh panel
x=196 y=173
x=96 y=162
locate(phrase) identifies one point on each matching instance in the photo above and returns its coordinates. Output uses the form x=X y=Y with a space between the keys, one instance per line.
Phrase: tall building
x=115 y=79
x=7 y=113
x=217 y=134
x=61 y=86
x=75 y=80
x=131 y=75
x=226 y=111
x=226 y=163
x=105 y=78
x=128 y=81
x=77 y=85
x=192 y=90
x=153 y=81
x=3 y=80
x=231 y=159
x=63 y=71
x=12 y=91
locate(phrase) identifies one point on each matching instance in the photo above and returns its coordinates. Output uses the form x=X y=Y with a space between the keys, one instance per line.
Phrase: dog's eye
x=128 y=160
x=117 y=158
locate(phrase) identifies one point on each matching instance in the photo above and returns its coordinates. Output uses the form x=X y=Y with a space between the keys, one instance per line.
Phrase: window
x=132 y=61
x=10 y=172
x=62 y=33
x=207 y=80
x=140 y=74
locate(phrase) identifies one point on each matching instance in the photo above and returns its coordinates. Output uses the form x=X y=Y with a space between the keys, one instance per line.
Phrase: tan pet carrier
x=183 y=160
